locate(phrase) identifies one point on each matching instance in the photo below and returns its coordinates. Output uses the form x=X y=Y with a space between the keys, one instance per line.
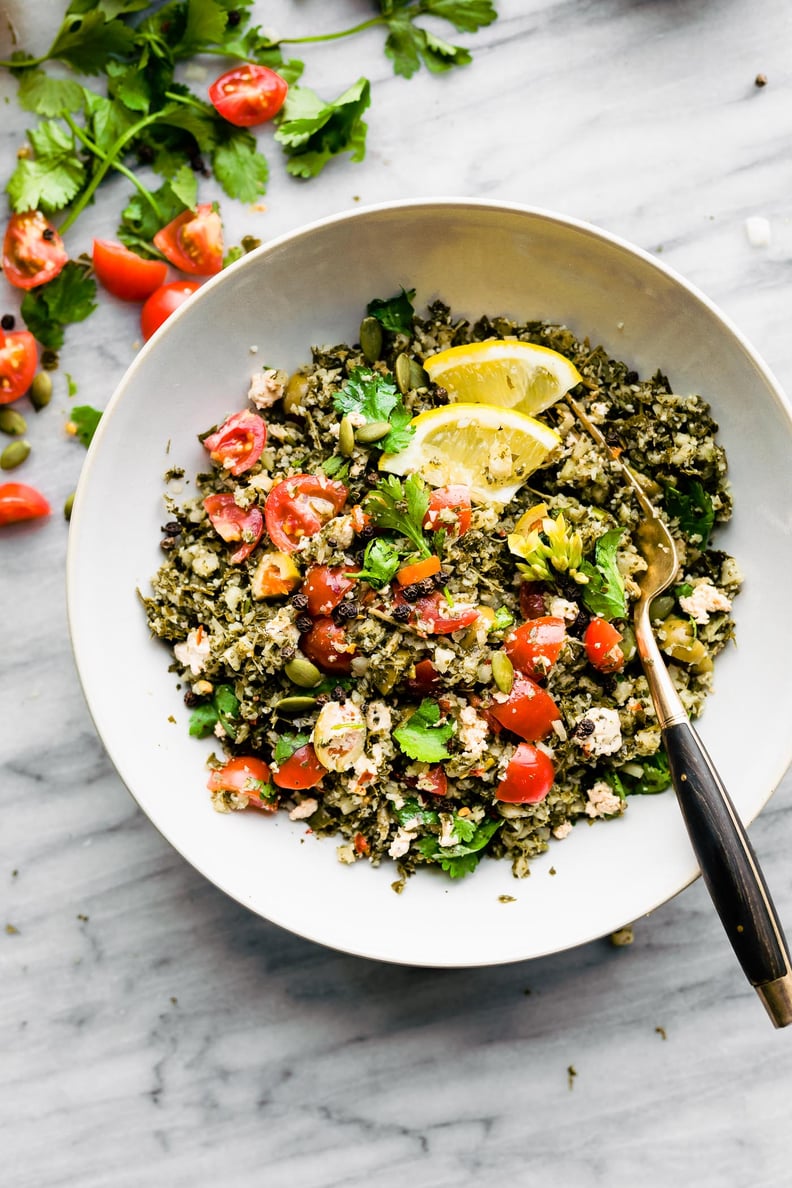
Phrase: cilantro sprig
x=223 y=708
x=377 y=398
x=401 y=507
x=70 y=297
x=604 y=592
x=394 y=313
x=380 y=563
x=462 y=858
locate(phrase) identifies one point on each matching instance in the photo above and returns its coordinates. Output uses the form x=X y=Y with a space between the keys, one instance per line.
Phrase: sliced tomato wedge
x=529 y=711
x=433 y=781
x=449 y=509
x=433 y=615
x=245 y=774
x=298 y=506
x=300 y=770
x=20 y=502
x=125 y=274
x=163 y=302
x=193 y=241
x=327 y=645
x=248 y=94
x=325 y=587
x=18 y=362
x=238 y=444
x=601 y=640
x=33 y=252
x=533 y=647
x=529 y=776
x=235 y=523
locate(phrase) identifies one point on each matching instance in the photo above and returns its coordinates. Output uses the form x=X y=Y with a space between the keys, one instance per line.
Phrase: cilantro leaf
x=336 y=467
x=467 y=16
x=463 y=858
x=401 y=433
x=139 y=223
x=403 y=46
x=287 y=744
x=240 y=168
x=52 y=177
x=604 y=593
x=206 y=23
x=129 y=85
x=48 y=96
x=411 y=810
x=86 y=421
x=312 y=132
x=401 y=507
x=86 y=41
x=366 y=392
x=70 y=297
x=107 y=121
x=380 y=563
x=692 y=507
x=440 y=55
x=227 y=708
x=423 y=736
x=503 y=619
x=395 y=313
x=202 y=720
x=654 y=777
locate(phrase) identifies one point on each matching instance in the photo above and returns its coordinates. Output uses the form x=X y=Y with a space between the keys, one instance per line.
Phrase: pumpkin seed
x=374 y=431
x=296 y=389
x=302 y=672
x=502 y=672
x=41 y=391
x=371 y=339
x=418 y=377
x=12 y=422
x=661 y=607
x=403 y=372
x=295 y=705
x=67 y=507
x=14 y=455
x=346 y=437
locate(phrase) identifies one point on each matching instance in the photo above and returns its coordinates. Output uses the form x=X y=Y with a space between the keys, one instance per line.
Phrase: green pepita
x=418 y=377
x=346 y=437
x=41 y=391
x=374 y=431
x=661 y=607
x=12 y=422
x=14 y=455
x=403 y=372
x=302 y=672
x=296 y=390
x=295 y=705
x=67 y=507
x=371 y=339
x=502 y=672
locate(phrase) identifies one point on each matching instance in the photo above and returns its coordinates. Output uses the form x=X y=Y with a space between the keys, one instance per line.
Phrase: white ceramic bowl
x=311 y=287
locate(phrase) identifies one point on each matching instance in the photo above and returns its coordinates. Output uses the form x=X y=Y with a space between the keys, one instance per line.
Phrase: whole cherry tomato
x=33 y=252
x=163 y=302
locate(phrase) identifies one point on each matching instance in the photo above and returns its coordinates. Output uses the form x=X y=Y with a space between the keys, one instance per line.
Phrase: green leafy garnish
x=336 y=467
x=377 y=398
x=287 y=744
x=380 y=563
x=461 y=859
x=503 y=619
x=424 y=735
x=50 y=178
x=395 y=313
x=312 y=132
x=223 y=708
x=654 y=776
x=604 y=593
x=70 y=297
x=408 y=44
x=240 y=168
x=412 y=811
x=401 y=507
x=691 y=506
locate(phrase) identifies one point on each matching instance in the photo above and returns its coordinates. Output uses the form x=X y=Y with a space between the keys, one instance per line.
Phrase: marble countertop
x=155 y=1032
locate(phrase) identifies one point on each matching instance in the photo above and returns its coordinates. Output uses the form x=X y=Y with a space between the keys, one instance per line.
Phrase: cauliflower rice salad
x=426 y=675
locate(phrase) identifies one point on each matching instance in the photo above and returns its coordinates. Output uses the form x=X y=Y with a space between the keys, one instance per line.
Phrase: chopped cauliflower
x=194 y=652
x=266 y=387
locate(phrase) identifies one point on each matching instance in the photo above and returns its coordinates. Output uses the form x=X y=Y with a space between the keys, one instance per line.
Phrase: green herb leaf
x=240 y=168
x=402 y=431
x=380 y=563
x=287 y=744
x=503 y=619
x=368 y=393
x=465 y=15
x=401 y=507
x=49 y=180
x=336 y=467
x=412 y=811
x=692 y=507
x=461 y=859
x=202 y=720
x=423 y=736
x=655 y=777
x=604 y=593
x=395 y=313
x=86 y=420
x=439 y=55
x=140 y=222
x=227 y=706
x=85 y=42
x=48 y=96
x=70 y=297
x=312 y=132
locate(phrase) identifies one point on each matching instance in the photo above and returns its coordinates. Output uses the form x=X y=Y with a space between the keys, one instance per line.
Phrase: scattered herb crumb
x=622 y=937
x=11 y=930
x=552 y=870
x=661 y=1031
x=507 y=899
x=571 y=1074
x=398 y=886
x=71 y=386
x=82 y=917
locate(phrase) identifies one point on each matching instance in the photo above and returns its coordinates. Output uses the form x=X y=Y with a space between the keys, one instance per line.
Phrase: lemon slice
x=505 y=372
x=491 y=450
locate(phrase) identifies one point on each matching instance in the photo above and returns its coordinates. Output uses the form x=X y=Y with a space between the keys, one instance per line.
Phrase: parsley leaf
x=423 y=736
x=52 y=177
x=86 y=421
x=287 y=744
x=312 y=132
x=202 y=720
x=336 y=467
x=604 y=593
x=401 y=433
x=395 y=313
x=465 y=15
x=240 y=168
x=691 y=506
x=70 y=297
x=412 y=811
x=380 y=562
x=463 y=858
x=401 y=507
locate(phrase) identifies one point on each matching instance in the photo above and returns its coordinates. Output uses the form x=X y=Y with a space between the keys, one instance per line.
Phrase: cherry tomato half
x=326 y=644
x=433 y=615
x=601 y=640
x=449 y=509
x=244 y=774
x=426 y=679
x=325 y=587
x=193 y=241
x=433 y=781
x=235 y=523
x=529 y=777
x=533 y=647
x=238 y=443
x=18 y=361
x=19 y=502
x=125 y=274
x=532 y=603
x=529 y=711
x=163 y=302
x=248 y=95
x=33 y=252
x=300 y=770
x=298 y=506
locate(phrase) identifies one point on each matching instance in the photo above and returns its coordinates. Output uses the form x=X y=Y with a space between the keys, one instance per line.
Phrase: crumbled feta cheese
x=603 y=802
x=500 y=464
x=563 y=830
x=561 y=608
x=378 y=717
x=447 y=836
x=472 y=732
x=443 y=658
x=266 y=387
x=194 y=652
x=605 y=738
x=306 y=808
x=341 y=531
x=401 y=843
x=220 y=730
x=705 y=598
x=758 y=231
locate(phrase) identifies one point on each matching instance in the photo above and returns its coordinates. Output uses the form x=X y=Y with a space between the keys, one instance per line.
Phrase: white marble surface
x=152 y=1031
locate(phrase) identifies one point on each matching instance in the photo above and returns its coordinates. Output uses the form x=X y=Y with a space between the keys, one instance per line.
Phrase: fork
x=728 y=864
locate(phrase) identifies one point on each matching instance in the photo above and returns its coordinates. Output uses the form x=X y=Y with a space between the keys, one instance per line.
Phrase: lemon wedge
x=505 y=372
x=491 y=450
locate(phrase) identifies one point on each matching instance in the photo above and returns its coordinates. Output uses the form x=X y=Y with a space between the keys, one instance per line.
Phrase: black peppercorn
x=346 y=610
x=167 y=543
x=367 y=532
x=48 y=234
x=233 y=18
x=172 y=528
x=426 y=586
x=8 y=321
x=191 y=699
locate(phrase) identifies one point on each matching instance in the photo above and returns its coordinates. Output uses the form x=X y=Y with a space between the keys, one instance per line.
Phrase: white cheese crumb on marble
x=757 y=228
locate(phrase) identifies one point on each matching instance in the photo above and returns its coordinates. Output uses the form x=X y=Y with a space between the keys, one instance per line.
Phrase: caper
x=374 y=431
x=296 y=390
x=302 y=672
x=346 y=437
x=661 y=607
x=502 y=671
x=67 y=507
x=295 y=705
x=418 y=377
x=41 y=391
x=12 y=422
x=14 y=455
x=371 y=339
x=403 y=372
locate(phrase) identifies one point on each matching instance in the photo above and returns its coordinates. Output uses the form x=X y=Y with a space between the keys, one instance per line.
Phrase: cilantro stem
x=370 y=24
x=107 y=163
x=117 y=165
